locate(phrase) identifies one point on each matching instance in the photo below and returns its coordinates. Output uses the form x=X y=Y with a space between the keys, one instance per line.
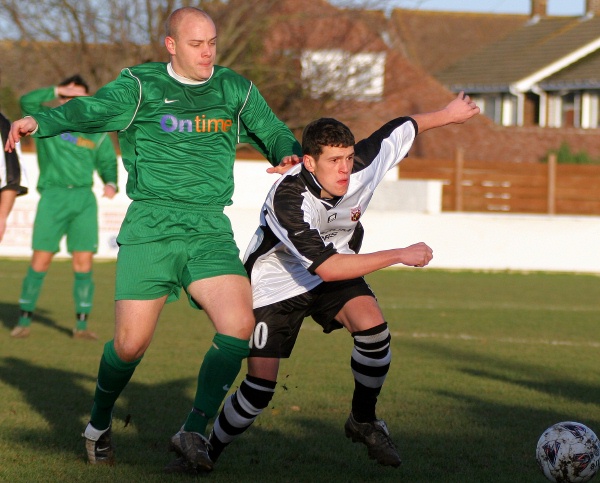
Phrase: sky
x=555 y=7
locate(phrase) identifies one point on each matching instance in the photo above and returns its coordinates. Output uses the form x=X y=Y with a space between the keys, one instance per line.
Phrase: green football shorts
x=165 y=247
x=66 y=211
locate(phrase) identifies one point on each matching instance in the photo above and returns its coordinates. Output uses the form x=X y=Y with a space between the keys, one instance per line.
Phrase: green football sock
x=83 y=292
x=81 y=323
x=30 y=292
x=220 y=367
x=24 y=319
x=113 y=376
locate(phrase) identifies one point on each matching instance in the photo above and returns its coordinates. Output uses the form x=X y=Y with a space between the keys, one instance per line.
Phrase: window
x=509 y=110
x=489 y=104
x=344 y=75
x=569 y=110
x=554 y=110
x=589 y=109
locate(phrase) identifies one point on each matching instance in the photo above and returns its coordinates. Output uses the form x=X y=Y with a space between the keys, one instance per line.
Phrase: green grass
x=482 y=364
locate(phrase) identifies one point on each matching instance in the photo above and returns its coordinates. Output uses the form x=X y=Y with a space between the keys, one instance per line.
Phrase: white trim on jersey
x=139 y=103
x=239 y=122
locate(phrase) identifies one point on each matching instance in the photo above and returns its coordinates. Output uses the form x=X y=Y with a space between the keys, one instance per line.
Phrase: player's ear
x=309 y=163
x=170 y=45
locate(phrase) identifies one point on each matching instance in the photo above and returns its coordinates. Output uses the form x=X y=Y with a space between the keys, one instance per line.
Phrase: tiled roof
x=584 y=74
x=522 y=53
x=435 y=40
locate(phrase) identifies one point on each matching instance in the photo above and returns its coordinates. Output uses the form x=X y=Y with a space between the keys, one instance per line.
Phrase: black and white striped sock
x=239 y=412
x=370 y=362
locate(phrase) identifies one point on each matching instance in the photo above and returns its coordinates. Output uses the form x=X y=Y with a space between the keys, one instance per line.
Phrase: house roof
x=435 y=40
x=584 y=74
x=530 y=52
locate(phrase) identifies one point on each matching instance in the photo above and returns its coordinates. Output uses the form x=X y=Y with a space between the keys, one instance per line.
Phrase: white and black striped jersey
x=12 y=175
x=299 y=230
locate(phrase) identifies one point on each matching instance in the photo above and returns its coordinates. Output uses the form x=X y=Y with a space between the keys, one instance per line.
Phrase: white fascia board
x=525 y=84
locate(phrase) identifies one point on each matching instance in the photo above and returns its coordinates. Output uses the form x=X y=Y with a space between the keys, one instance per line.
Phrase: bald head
x=192 y=43
x=177 y=17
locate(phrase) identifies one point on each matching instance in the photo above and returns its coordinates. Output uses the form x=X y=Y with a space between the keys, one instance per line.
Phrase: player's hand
x=18 y=129
x=462 y=108
x=109 y=191
x=286 y=163
x=417 y=255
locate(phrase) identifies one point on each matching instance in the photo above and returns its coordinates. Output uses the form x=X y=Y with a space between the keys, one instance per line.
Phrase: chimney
x=539 y=7
x=592 y=7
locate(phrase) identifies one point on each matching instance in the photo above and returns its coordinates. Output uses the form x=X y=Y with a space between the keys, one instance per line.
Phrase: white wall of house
x=401 y=214
x=554 y=111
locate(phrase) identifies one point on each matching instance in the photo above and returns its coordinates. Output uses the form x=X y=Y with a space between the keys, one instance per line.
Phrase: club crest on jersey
x=355 y=213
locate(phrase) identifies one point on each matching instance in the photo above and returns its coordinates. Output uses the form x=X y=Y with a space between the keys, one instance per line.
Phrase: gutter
x=520 y=103
x=535 y=88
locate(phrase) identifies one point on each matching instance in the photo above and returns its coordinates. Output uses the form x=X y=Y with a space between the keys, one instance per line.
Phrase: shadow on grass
x=9 y=316
x=292 y=446
x=62 y=398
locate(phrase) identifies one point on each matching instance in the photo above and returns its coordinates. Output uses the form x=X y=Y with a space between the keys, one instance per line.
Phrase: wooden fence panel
x=488 y=186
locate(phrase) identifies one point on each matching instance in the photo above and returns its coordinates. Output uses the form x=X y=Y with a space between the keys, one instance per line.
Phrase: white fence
x=401 y=213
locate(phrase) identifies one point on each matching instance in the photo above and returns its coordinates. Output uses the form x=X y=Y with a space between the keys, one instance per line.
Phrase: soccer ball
x=568 y=452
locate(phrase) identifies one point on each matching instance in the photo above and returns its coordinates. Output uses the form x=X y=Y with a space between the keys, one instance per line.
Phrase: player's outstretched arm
x=18 y=129
x=460 y=110
x=345 y=267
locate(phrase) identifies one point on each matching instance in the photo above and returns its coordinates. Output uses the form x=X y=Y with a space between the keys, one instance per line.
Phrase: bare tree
x=264 y=40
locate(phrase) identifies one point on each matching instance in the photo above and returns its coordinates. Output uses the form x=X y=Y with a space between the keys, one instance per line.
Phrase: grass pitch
x=482 y=364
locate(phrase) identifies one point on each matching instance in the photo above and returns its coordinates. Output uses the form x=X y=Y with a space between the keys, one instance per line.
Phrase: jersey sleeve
x=261 y=128
x=106 y=160
x=292 y=220
x=112 y=108
x=387 y=146
x=33 y=102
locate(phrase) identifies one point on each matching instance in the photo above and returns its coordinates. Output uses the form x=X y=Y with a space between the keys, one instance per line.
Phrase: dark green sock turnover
x=220 y=367
x=113 y=376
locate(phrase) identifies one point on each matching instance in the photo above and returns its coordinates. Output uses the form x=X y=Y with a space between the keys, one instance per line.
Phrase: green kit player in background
x=67 y=205
x=178 y=123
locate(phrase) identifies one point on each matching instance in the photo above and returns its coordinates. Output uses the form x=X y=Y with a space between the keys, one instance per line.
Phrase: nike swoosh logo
x=225 y=388
x=169 y=101
x=23 y=301
x=102 y=450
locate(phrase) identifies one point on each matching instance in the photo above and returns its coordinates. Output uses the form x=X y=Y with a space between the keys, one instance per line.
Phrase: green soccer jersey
x=177 y=138
x=69 y=159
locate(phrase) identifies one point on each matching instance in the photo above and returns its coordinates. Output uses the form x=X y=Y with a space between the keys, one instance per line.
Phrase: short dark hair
x=77 y=80
x=325 y=132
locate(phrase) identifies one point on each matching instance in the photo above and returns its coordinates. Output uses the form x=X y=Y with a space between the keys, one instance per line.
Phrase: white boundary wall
x=401 y=213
